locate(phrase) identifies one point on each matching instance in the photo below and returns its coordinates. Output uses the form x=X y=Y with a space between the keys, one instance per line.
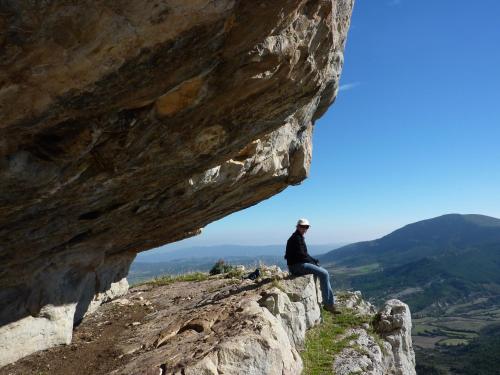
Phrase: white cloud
x=393 y=2
x=348 y=86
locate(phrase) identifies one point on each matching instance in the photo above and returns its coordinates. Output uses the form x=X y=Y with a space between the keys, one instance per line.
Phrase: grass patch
x=462 y=325
x=322 y=343
x=169 y=279
x=234 y=273
x=220 y=267
x=458 y=334
x=423 y=329
x=380 y=342
x=276 y=284
x=452 y=342
x=365 y=269
x=342 y=296
x=231 y=275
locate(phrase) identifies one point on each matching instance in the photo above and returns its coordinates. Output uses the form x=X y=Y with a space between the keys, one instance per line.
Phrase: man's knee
x=323 y=272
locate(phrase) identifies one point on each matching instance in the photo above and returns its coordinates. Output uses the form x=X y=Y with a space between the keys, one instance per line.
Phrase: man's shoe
x=332 y=309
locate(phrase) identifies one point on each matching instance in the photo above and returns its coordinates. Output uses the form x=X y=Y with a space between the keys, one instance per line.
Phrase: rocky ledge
x=225 y=326
x=128 y=125
x=380 y=348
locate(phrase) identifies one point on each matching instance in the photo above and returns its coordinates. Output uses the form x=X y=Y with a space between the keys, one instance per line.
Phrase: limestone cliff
x=386 y=348
x=125 y=125
x=227 y=326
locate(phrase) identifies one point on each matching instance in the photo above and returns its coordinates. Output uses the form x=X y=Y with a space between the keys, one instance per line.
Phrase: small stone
x=122 y=302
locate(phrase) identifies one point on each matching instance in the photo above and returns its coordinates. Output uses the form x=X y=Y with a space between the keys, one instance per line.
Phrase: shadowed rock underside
x=129 y=125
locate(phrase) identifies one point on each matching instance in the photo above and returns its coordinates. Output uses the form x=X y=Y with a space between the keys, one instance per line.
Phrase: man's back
x=296 y=249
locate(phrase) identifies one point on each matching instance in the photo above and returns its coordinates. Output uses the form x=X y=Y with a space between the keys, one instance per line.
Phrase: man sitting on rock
x=301 y=263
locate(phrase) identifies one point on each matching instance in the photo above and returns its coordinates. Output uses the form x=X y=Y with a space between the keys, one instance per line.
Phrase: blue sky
x=414 y=132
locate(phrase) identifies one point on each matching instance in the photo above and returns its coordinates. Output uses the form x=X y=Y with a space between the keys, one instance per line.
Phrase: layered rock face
x=128 y=125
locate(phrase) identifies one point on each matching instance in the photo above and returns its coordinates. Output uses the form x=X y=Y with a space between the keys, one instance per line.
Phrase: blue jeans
x=300 y=269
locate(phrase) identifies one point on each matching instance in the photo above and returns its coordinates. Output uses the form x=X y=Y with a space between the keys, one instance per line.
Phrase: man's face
x=302 y=229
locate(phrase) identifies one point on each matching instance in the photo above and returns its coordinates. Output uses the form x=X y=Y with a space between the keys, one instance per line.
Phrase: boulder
x=384 y=347
x=364 y=355
x=393 y=323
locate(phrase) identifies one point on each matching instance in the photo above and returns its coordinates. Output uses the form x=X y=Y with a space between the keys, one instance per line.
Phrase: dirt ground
x=93 y=349
x=151 y=328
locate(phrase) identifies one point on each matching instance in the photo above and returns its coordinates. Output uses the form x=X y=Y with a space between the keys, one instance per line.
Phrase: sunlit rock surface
x=223 y=325
x=129 y=125
x=385 y=347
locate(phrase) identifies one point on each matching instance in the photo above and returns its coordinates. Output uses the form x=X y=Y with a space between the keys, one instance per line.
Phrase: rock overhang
x=143 y=123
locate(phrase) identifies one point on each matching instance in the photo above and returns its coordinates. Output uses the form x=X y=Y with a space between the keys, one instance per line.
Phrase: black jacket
x=296 y=250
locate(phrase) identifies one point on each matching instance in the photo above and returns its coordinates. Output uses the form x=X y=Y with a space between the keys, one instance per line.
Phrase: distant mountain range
x=167 y=261
x=222 y=251
x=441 y=260
x=450 y=234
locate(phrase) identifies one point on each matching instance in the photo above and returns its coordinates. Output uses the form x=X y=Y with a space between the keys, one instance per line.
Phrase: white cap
x=303 y=222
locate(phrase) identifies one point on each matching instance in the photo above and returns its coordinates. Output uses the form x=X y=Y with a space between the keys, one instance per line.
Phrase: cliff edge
x=227 y=326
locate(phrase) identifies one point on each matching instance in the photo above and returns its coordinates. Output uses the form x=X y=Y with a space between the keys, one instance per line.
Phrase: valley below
x=449 y=336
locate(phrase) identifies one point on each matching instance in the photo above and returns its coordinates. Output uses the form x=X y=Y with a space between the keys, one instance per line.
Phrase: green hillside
x=432 y=262
x=448 y=234
x=447 y=269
